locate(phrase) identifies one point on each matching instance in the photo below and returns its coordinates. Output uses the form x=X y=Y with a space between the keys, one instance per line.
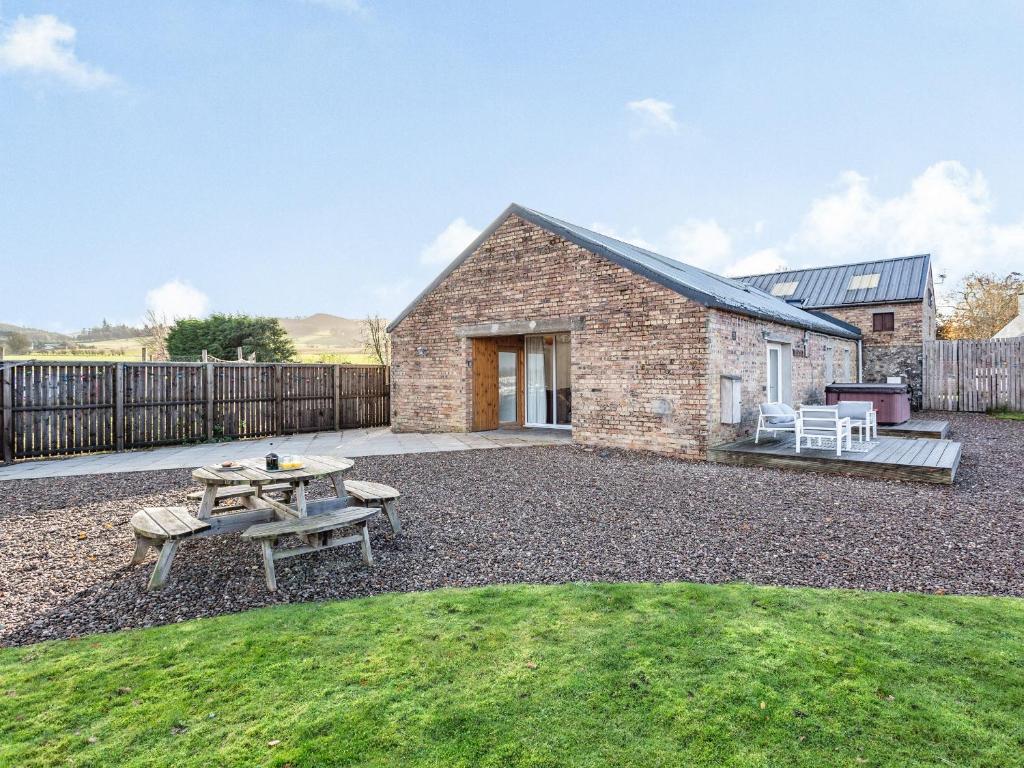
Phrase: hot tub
x=892 y=401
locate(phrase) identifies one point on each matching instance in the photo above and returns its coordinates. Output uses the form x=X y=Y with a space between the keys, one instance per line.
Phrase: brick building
x=891 y=301
x=543 y=323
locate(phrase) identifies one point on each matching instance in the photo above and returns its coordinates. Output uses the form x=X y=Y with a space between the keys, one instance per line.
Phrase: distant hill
x=35 y=335
x=324 y=330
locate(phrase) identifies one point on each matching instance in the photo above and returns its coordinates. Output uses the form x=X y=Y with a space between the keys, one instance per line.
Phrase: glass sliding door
x=508 y=386
x=548 y=381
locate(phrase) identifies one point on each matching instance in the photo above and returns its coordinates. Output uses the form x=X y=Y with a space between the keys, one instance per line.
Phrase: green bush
x=222 y=335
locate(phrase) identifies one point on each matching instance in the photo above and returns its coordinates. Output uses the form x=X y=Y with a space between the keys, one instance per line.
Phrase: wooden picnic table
x=260 y=507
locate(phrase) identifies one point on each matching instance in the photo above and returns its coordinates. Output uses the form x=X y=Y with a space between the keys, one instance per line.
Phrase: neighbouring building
x=891 y=301
x=543 y=323
x=1015 y=327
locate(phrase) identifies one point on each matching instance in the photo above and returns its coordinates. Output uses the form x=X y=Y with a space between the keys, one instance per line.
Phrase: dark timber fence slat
x=974 y=375
x=56 y=409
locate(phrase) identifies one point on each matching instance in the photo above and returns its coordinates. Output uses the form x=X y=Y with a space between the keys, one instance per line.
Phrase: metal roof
x=901 y=279
x=703 y=287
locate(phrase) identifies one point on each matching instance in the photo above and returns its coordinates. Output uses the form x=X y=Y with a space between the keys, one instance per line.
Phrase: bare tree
x=984 y=304
x=376 y=340
x=156 y=336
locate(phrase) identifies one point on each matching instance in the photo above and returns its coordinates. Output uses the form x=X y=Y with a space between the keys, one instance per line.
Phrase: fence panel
x=60 y=408
x=243 y=400
x=974 y=376
x=164 y=404
x=53 y=409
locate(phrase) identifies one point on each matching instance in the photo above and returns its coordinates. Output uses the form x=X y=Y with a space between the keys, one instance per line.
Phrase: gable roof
x=900 y=279
x=703 y=287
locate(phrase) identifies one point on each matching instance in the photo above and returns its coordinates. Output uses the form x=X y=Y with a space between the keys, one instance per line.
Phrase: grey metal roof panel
x=704 y=287
x=900 y=279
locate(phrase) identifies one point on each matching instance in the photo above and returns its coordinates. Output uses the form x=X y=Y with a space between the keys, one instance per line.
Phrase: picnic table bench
x=162 y=528
x=319 y=529
x=371 y=494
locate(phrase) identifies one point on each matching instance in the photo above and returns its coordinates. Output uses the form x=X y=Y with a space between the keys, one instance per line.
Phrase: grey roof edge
x=545 y=223
x=835 y=321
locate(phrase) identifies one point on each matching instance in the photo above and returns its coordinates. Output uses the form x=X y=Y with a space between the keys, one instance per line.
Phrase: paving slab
x=351 y=443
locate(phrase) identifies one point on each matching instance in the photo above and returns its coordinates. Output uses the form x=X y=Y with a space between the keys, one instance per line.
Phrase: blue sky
x=286 y=157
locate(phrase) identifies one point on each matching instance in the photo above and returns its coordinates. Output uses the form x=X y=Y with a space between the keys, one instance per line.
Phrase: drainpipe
x=860 y=361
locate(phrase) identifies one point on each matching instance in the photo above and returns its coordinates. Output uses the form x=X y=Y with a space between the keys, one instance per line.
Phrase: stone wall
x=896 y=352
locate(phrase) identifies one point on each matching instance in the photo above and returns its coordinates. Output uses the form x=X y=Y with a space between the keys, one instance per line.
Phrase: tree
x=221 y=335
x=376 y=340
x=156 y=336
x=984 y=304
x=18 y=343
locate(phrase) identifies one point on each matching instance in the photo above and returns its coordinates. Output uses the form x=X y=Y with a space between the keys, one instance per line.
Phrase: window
x=784 y=289
x=883 y=321
x=858 y=282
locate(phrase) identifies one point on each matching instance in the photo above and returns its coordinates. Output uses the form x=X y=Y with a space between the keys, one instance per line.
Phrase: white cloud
x=450 y=243
x=702 y=243
x=946 y=211
x=653 y=116
x=44 y=45
x=758 y=263
x=175 y=300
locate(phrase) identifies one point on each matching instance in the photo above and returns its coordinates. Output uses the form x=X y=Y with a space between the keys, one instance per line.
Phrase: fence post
x=209 y=399
x=7 y=398
x=279 y=397
x=337 y=398
x=119 y=406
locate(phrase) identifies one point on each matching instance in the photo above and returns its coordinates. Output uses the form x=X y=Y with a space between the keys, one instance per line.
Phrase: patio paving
x=378 y=441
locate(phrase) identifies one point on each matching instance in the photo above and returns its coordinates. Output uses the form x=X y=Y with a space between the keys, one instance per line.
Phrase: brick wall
x=738 y=347
x=638 y=364
x=644 y=371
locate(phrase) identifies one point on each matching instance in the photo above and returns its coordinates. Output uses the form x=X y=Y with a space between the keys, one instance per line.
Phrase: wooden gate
x=974 y=375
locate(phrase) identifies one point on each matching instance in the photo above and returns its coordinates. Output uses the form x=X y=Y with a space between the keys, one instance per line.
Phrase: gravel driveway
x=549 y=514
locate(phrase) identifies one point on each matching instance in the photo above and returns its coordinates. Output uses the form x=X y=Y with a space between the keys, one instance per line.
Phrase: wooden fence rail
x=54 y=409
x=974 y=375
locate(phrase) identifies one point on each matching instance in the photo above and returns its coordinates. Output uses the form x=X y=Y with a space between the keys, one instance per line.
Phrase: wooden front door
x=485 y=384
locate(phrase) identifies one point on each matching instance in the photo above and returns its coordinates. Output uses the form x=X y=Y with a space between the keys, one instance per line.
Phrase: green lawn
x=1011 y=415
x=623 y=675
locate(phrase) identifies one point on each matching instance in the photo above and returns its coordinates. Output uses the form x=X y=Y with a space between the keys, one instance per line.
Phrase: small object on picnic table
x=291 y=462
x=272 y=462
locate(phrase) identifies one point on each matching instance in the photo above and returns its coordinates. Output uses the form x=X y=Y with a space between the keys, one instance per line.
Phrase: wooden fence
x=53 y=409
x=974 y=375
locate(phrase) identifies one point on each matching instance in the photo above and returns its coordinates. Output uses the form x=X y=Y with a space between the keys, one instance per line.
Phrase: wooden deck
x=917 y=428
x=919 y=459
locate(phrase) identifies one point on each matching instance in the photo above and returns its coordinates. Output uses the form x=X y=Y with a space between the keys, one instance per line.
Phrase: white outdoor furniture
x=775 y=417
x=862 y=415
x=818 y=423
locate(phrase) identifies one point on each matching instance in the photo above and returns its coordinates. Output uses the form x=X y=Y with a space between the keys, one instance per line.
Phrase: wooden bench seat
x=371 y=494
x=318 y=530
x=241 y=491
x=162 y=528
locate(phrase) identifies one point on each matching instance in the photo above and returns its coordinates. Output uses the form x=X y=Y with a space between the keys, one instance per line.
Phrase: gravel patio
x=539 y=514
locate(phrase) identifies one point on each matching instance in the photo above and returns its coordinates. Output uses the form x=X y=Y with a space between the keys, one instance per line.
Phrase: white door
x=774 y=373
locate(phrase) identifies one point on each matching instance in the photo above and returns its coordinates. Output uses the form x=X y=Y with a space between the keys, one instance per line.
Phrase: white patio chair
x=775 y=417
x=862 y=415
x=818 y=423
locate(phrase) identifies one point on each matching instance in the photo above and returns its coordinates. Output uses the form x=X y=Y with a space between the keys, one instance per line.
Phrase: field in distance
x=319 y=338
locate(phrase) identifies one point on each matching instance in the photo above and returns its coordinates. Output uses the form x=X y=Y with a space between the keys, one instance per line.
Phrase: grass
x=581 y=675
x=1010 y=415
